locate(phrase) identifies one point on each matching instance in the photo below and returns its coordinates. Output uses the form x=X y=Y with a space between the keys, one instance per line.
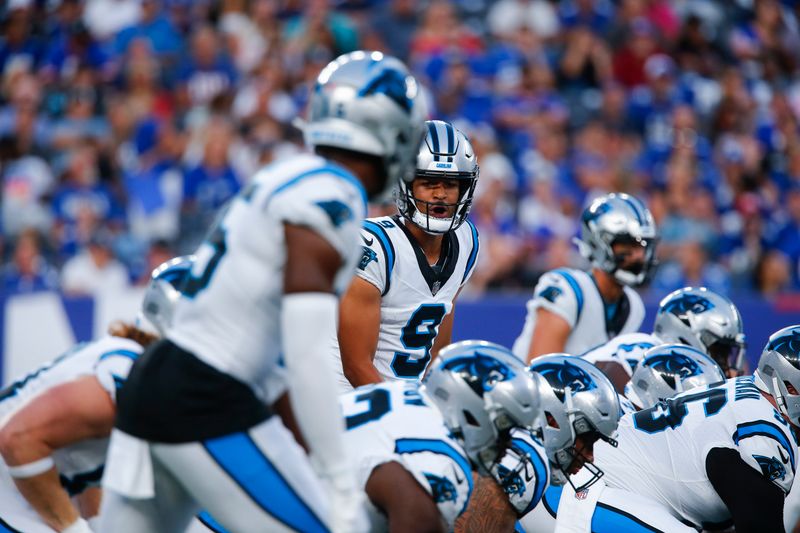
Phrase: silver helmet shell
x=779 y=369
x=618 y=217
x=368 y=102
x=669 y=369
x=482 y=391
x=445 y=153
x=705 y=320
x=163 y=291
x=576 y=398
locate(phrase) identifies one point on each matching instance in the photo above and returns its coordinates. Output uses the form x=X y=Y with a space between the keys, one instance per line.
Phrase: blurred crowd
x=126 y=124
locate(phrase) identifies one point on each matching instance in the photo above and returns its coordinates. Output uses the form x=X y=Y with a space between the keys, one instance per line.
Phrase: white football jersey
x=662 y=450
x=627 y=350
x=414 y=298
x=80 y=465
x=393 y=421
x=573 y=295
x=229 y=313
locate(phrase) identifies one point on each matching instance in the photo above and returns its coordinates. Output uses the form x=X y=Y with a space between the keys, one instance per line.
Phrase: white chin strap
x=431 y=224
x=629 y=278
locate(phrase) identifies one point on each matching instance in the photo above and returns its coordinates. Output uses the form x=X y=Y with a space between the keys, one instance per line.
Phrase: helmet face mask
x=483 y=392
x=369 y=103
x=779 y=369
x=670 y=369
x=705 y=320
x=619 y=220
x=577 y=400
x=445 y=154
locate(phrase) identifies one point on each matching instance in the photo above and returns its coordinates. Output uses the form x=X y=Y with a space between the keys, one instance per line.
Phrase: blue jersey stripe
x=551 y=498
x=121 y=353
x=473 y=255
x=388 y=249
x=538 y=466
x=442 y=448
x=576 y=289
x=765 y=429
x=327 y=169
x=246 y=464
x=208 y=521
x=608 y=519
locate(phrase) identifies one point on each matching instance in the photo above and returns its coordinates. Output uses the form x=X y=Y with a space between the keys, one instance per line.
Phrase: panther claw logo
x=688 y=302
x=442 y=489
x=551 y=293
x=673 y=365
x=367 y=257
x=566 y=374
x=480 y=371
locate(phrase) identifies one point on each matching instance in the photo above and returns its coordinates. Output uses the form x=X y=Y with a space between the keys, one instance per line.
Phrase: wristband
x=78 y=526
x=31 y=469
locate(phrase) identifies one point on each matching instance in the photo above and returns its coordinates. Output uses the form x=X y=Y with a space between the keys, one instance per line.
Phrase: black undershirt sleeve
x=755 y=503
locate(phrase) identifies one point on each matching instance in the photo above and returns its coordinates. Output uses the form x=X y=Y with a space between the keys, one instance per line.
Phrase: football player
x=398 y=312
x=56 y=420
x=193 y=427
x=571 y=310
x=580 y=407
x=719 y=456
x=417 y=445
x=694 y=316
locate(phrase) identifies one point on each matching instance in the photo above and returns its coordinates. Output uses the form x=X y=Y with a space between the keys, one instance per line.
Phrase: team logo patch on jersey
x=565 y=375
x=337 y=211
x=688 y=302
x=771 y=467
x=442 y=488
x=367 y=257
x=480 y=371
x=511 y=481
x=551 y=293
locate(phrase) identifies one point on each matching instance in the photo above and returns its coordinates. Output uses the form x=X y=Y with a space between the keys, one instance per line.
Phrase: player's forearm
x=361 y=373
x=48 y=498
x=488 y=510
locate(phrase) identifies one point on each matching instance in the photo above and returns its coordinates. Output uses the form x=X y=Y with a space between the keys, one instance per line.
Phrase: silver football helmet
x=576 y=398
x=368 y=102
x=163 y=292
x=618 y=218
x=445 y=153
x=670 y=369
x=779 y=369
x=705 y=320
x=482 y=391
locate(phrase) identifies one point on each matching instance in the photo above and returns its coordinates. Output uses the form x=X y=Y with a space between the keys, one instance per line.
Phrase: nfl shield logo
x=581 y=495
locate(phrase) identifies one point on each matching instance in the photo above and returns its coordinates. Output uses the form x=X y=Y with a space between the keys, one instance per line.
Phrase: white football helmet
x=482 y=391
x=779 y=370
x=367 y=102
x=445 y=153
x=618 y=217
x=576 y=398
x=162 y=292
x=704 y=320
x=669 y=369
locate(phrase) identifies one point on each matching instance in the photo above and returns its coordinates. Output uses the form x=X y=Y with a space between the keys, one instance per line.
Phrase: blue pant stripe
x=551 y=498
x=608 y=519
x=241 y=459
x=208 y=521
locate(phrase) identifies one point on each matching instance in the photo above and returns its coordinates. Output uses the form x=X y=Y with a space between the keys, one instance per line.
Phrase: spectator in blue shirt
x=206 y=73
x=155 y=27
x=28 y=271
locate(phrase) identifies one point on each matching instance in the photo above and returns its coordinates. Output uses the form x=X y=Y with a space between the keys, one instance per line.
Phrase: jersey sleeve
x=474 y=253
x=523 y=472
x=557 y=293
x=446 y=479
x=768 y=449
x=325 y=204
x=113 y=366
x=377 y=259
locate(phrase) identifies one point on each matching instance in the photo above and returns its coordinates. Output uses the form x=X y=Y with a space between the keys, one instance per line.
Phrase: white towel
x=129 y=467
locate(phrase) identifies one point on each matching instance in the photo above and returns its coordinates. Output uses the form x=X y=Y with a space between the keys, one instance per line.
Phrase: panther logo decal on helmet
x=565 y=375
x=481 y=371
x=673 y=365
x=688 y=302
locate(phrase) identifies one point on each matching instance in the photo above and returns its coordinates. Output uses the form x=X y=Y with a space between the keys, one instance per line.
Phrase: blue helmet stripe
x=764 y=429
x=441 y=448
x=434 y=140
x=451 y=142
x=576 y=288
x=631 y=202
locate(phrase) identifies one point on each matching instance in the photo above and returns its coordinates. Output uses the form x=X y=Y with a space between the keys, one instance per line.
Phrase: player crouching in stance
x=714 y=457
x=417 y=445
x=57 y=419
x=579 y=408
x=398 y=312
